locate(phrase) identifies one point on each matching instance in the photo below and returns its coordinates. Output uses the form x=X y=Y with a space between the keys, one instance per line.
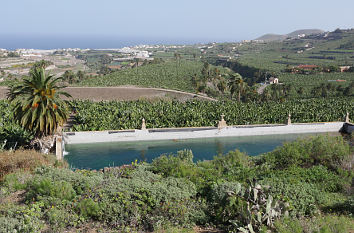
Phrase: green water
x=99 y=155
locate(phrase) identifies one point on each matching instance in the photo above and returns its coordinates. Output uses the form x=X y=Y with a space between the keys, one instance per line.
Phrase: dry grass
x=25 y=160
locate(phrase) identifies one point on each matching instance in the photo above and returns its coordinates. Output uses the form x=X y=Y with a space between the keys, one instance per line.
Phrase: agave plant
x=38 y=106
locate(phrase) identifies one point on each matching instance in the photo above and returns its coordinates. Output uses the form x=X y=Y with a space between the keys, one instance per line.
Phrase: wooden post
x=59 y=147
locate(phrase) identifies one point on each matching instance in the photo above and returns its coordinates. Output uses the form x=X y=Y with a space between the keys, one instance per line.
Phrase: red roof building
x=307 y=67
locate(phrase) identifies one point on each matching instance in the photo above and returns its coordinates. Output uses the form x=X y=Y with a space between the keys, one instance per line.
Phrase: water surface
x=99 y=155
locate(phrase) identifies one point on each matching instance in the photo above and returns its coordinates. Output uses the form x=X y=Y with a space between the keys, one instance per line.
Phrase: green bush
x=304 y=198
x=320 y=224
x=21 y=218
x=45 y=187
x=321 y=176
x=9 y=224
x=180 y=165
x=16 y=181
x=288 y=225
x=60 y=219
x=234 y=166
x=344 y=207
x=146 y=200
x=331 y=152
x=81 y=181
x=89 y=208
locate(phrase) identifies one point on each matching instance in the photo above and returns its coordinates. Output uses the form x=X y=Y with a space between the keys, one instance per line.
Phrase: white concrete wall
x=231 y=131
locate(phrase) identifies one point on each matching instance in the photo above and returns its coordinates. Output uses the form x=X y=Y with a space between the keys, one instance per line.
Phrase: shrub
x=321 y=176
x=304 y=198
x=24 y=160
x=180 y=165
x=60 y=219
x=21 y=218
x=345 y=207
x=320 y=224
x=45 y=187
x=9 y=224
x=146 y=200
x=89 y=208
x=234 y=166
x=81 y=181
x=16 y=181
x=331 y=152
x=288 y=225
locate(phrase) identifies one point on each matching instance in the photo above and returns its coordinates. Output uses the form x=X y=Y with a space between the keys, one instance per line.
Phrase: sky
x=169 y=20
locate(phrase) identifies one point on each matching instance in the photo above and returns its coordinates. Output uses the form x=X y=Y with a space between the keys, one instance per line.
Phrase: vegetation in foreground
x=304 y=186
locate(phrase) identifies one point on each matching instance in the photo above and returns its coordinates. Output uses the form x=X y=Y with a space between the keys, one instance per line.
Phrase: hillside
x=272 y=37
x=305 y=31
x=168 y=75
x=326 y=52
x=294 y=34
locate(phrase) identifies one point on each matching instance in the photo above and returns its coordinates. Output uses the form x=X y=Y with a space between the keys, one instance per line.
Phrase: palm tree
x=178 y=58
x=37 y=104
x=136 y=60
x=222 y=85
x=236 y=83
x=267 y=94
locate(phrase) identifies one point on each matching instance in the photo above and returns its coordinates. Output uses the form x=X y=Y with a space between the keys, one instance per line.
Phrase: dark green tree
x=38 y=106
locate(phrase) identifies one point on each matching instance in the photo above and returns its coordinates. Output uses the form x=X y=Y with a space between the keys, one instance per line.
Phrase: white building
x=273 y=80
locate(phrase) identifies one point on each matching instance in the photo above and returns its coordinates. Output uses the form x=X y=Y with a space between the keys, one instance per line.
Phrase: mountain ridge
x=298 y=33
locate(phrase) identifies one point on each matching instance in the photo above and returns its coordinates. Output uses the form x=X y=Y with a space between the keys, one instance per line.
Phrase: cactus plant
x=262 y=210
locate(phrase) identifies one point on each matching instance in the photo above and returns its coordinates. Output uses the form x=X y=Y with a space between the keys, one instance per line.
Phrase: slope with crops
x=306 y=62
x=171 y=74
x=159 y=114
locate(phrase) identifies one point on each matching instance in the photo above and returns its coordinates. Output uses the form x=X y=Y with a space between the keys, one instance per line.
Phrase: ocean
x=12 y=42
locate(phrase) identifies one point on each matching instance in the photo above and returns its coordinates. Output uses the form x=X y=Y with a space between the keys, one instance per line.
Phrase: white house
x=273 y=80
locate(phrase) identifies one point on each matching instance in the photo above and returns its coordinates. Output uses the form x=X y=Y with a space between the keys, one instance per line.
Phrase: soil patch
x=122 y=93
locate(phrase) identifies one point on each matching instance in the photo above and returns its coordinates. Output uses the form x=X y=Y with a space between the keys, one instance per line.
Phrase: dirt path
x=122 y=93
x=260 y=90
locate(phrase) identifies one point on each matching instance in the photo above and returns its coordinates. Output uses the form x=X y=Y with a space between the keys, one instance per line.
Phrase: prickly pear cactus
x=262 y=210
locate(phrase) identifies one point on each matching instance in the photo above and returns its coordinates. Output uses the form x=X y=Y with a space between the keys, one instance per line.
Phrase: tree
x=38 y=106
x=236 y=83
x=194 y=56
x=222 y=85
x=178 y=58
x=205 y=71
x=69 y=76
x=300 y=91
x=13 y=54
x=136 y=60
x=104 y=70
x=266 y=95
x=41 y=64
x=80 y=75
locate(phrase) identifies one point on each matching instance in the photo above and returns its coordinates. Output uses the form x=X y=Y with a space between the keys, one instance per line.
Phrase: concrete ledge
x=197 y=132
